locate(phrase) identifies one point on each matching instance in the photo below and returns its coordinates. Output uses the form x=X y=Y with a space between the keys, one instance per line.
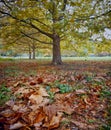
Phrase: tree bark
x=33 y=51
x=30 y=52
x=56 y=60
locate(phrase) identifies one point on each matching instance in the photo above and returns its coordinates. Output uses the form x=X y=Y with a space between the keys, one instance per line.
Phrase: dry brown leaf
x=84 y=126
x=72 y=78
x=31 y=117
x=62 y=97
x=35 y=116
x=85 y=100
x=50 y=110
x=44 y=102
x=64 y=128
x=54 y=122
x=34 y=107
x=80 y=91
x=42 y=92
x=23 y=91
x=80 y=124
x=40 y=116
x=65 y=107
x=20 y=107
x=10 y=103
x=38 y=126
x=13 y=118
x=36 y=98
x=33 y=83
x=40 y=80
x=2 y=119
x=17 y=84
x=7 y=113
x=17 y=125
x=54 y=90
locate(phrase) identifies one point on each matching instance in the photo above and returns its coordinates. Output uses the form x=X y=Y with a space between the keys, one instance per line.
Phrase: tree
x=57 y=19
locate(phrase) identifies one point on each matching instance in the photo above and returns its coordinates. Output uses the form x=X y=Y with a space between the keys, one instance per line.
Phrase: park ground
x=35 y=95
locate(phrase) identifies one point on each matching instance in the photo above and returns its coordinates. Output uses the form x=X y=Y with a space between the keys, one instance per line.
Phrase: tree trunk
x=30 y=52
x=56 y=51
x=33 y=51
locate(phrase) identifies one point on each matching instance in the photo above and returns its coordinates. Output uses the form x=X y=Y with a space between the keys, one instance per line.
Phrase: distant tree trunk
x=33 y=51
x=56 y=60
x=30 y=54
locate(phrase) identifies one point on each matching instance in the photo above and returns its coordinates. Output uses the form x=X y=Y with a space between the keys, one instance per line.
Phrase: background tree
x=58 y=19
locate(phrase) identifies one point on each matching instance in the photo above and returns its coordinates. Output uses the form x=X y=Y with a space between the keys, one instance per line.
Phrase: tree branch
x=28 y=35
x=39 y=22
x=29 y=23
x=4 y=2
x=93 y=17
x=64 y=5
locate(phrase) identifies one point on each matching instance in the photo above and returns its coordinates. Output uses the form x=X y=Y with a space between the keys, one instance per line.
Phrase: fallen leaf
x=39 y=80
x=72 y=78
x=7 y=113
x=2 y=119
x=80 y=91
x=33 y=83
x=55 y=121
x=22 y=91
x=14 y=118
x=10 y=103
x=17 y=84
x=17 y=125
x=35 y=116
x=38 y=126
x=80 y=124
x=36 y=98
x=50 y=110
x=54 y=90
x=42 y=92
x=40 y=116
x=85 y=100
x=65 y=107
x=20 y=107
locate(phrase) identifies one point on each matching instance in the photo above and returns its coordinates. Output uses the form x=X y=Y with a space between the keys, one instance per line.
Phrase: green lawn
x=105 y=58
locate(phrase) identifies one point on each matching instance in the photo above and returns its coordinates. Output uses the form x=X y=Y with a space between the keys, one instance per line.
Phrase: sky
x=107 y=33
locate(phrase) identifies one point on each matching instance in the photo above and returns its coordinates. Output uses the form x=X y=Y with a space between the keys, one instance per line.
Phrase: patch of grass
x=104 y=58
x=65 y=122
x=105 y=127
x=64 y=88
x=91 y=121
x=51 y=94
x=6 y=59
x=11 y=71
x=5 y=94
x=105 y=92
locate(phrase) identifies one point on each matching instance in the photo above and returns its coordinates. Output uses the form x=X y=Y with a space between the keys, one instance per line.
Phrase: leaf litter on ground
x=43 y=100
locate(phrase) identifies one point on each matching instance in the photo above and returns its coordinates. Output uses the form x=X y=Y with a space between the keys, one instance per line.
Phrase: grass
x=103 y=58
x=5 y=94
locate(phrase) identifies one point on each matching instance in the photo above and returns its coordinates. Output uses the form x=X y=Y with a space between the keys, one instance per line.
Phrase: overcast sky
x=107 y=33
